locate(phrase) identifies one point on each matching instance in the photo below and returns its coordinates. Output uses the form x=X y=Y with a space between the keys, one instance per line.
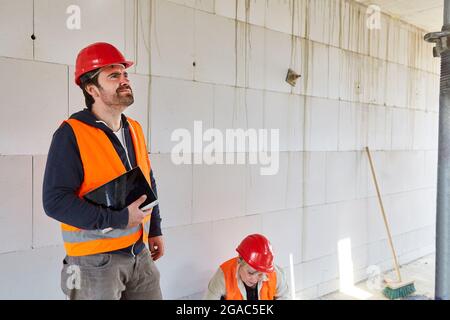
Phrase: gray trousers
x=109 y=276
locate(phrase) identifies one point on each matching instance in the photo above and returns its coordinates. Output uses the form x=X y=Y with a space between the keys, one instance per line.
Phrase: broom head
x=396 y=290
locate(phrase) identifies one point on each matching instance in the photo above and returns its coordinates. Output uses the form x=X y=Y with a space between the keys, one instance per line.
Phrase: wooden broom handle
x=384 y=215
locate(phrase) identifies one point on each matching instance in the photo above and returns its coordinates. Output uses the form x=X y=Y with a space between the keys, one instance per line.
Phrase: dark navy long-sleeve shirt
x=64 y=175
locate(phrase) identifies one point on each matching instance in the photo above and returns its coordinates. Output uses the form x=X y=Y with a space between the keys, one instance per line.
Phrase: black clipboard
x=122 y=191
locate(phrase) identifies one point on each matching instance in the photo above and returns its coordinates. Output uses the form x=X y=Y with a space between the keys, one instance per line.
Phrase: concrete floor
x=421 y=271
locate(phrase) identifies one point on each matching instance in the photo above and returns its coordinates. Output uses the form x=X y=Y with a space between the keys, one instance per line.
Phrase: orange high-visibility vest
x=229 y=268
x=101 y=164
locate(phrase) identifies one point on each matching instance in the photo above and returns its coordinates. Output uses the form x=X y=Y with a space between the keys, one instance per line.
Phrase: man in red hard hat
x=107 y=255
x=250 y=276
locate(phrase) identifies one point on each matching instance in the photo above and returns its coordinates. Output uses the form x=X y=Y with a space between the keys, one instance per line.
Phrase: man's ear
x=92 y=90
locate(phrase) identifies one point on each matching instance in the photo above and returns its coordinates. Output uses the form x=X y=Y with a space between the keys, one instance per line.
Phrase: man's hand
x=156 y=245
x=136 y=215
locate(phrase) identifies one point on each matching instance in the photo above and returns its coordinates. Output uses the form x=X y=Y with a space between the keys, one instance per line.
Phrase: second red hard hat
x=256 y=250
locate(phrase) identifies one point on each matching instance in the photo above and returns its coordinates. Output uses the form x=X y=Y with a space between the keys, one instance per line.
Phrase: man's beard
x=125 y=99
x=119 y=98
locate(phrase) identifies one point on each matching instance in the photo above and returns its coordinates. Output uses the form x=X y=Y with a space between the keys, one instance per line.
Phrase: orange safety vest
x=229 y=268
x=101 y=164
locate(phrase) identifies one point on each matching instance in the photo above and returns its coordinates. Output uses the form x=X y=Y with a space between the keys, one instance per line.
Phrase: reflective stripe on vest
x=101 y=163
x=87 y=235
x=230 y=269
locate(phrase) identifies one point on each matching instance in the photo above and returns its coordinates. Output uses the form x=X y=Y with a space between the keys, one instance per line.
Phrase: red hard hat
x=256 y=250
x=98 y=55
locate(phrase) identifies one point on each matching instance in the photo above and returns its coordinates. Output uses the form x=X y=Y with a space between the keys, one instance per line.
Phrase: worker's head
x=249 y=275
x=100 y=73
x=256 y=258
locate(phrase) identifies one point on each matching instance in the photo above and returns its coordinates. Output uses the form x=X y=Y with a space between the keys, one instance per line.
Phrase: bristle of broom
x=399 y=292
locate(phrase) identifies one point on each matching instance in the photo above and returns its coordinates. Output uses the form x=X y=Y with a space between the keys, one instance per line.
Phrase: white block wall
x=207 y=60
